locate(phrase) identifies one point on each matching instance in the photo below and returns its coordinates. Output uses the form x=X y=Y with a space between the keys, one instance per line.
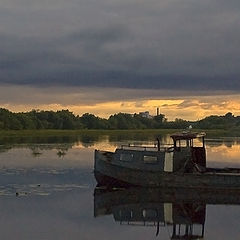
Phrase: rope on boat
x=196 y=167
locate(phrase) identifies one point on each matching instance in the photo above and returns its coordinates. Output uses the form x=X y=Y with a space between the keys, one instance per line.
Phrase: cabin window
x=149 y=213
x=126 y=157
x=197 y=229
x=125 y=214
x=150 y=159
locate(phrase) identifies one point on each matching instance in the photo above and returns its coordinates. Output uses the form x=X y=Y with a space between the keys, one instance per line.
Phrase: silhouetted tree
x=65 y=119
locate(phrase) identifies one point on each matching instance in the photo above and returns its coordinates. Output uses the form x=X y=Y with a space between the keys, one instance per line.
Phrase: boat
x=181 y=164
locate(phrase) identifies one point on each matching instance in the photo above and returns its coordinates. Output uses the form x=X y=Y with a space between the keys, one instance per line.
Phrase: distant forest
x=65 y=119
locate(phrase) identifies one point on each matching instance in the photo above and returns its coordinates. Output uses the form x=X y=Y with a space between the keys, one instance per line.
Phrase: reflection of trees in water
x=138 y=136
x=37 y=140
x=229 y=144
x=222 y=142
x=38 y=144
x=89 y=138
x=4 y=148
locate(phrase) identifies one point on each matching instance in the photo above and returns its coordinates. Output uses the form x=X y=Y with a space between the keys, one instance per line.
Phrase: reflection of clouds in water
x=102 y=143
x=228 y=142
x=110 y=143
x=224 y=154
x=232 y=152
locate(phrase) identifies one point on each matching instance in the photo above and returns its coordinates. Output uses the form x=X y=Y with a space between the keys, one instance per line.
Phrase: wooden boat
x=182 y=164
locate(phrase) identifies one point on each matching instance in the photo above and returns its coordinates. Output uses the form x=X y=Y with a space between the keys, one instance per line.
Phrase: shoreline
x=57 y=132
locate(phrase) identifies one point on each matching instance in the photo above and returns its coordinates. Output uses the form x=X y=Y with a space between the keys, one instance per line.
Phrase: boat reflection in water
x=183 y=211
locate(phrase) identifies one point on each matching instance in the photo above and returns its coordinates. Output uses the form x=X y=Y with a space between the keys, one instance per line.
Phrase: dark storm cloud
x=168 y=44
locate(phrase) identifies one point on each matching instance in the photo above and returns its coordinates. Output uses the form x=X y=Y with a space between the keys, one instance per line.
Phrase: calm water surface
x=47 y=192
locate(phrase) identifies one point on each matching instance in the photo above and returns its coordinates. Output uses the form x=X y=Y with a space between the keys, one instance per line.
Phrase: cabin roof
x=187 y=135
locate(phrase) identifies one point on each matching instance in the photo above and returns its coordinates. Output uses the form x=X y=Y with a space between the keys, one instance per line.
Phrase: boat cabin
x=185 y=140
x=182 y=155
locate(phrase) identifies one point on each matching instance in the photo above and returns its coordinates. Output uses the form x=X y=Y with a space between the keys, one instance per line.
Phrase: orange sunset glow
x=188 y=108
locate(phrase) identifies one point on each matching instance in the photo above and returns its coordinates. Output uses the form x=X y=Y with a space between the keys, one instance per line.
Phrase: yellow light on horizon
x=189 y=109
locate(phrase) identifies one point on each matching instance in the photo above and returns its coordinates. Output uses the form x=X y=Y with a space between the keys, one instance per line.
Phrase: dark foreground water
x=47 y=191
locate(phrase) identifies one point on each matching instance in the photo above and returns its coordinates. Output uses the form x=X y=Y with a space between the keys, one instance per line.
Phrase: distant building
x=145 y=114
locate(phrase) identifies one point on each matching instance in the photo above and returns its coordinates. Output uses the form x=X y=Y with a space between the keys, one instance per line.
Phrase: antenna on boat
x=158 y=144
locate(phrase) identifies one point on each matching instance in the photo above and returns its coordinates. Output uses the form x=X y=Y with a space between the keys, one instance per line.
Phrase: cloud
x=106 y=101
x=25 y=94
x=174 y=45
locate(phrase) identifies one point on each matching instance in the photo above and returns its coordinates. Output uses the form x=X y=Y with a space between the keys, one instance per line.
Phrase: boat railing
x=143 y=223
x=162 y=148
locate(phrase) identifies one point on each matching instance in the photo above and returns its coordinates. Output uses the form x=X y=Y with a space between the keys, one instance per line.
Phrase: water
x=47 y=192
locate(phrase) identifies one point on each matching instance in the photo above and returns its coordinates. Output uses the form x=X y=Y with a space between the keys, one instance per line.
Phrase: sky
x=109 y=56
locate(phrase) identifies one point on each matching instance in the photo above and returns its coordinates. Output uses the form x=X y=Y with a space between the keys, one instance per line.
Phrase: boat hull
x=110 y=174
x=104 y=180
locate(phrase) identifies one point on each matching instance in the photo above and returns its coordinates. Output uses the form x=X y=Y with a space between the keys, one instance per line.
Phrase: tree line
x=65 y=119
